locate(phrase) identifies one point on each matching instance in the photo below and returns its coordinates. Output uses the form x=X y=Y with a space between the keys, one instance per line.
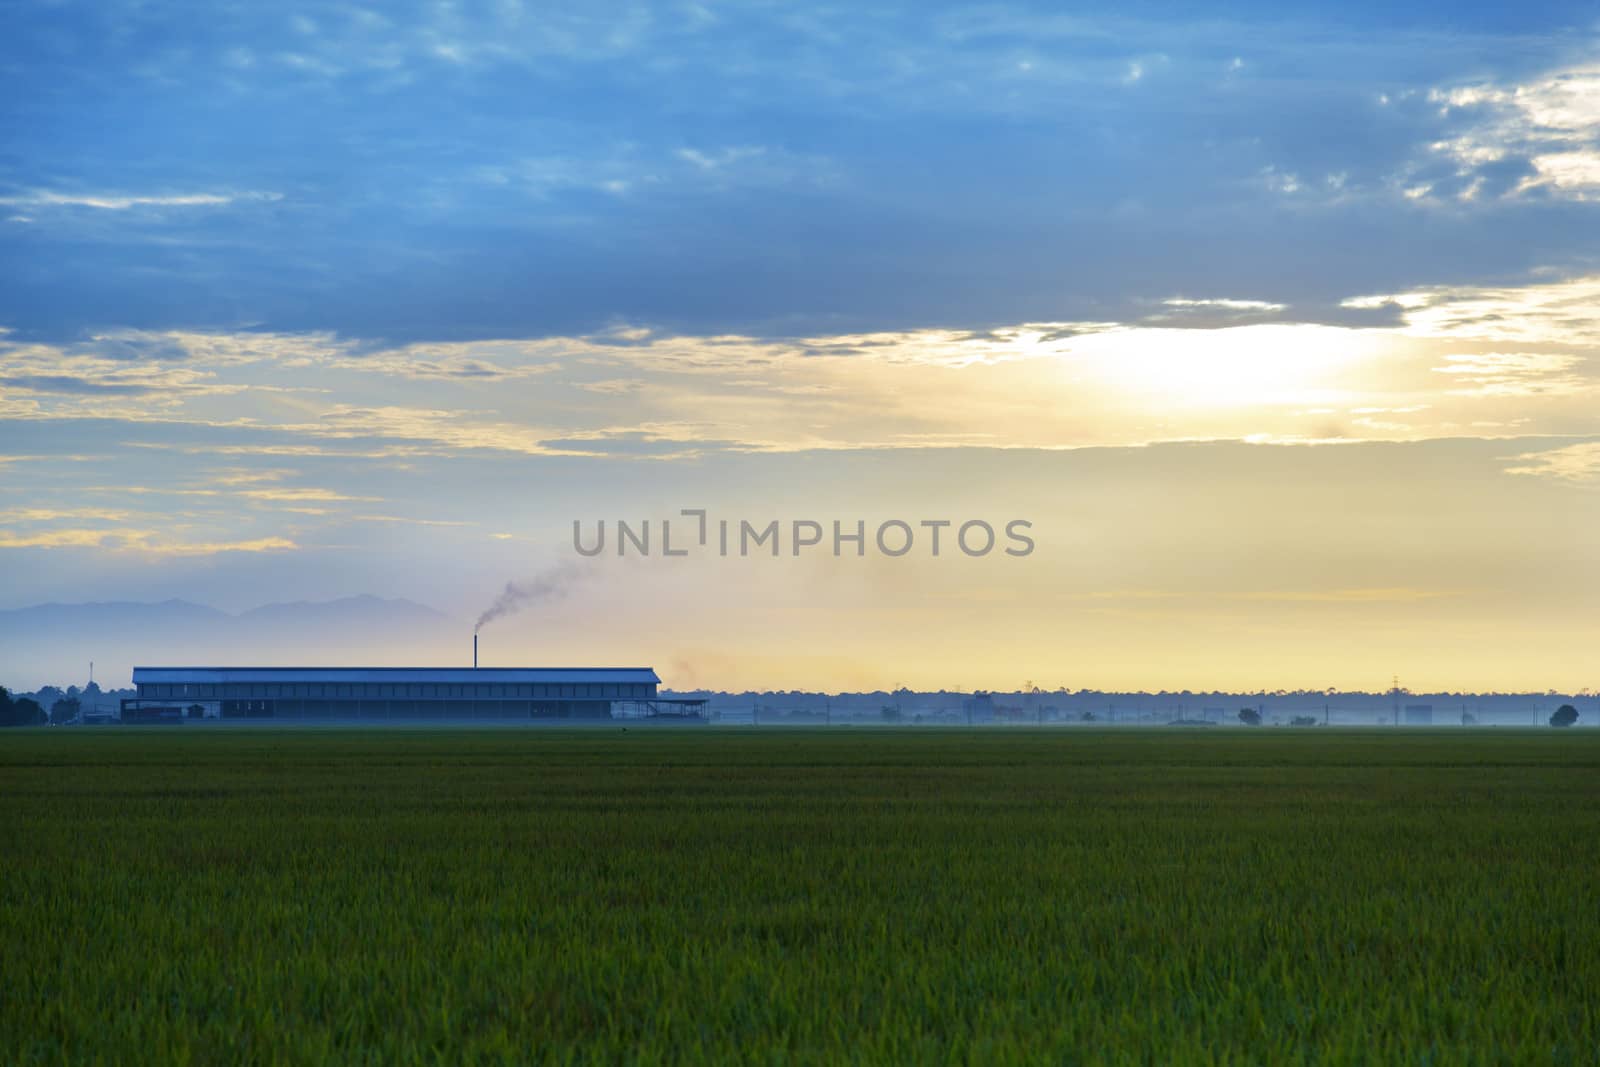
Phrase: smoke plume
x=552 y=584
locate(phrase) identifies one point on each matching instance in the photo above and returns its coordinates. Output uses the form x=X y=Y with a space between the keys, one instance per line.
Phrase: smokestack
x=474 y=651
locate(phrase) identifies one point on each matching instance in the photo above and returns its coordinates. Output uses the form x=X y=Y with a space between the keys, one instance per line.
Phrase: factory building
x=174 y=694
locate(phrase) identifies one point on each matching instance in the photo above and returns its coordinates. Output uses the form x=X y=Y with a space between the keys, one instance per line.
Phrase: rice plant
x=596 y=896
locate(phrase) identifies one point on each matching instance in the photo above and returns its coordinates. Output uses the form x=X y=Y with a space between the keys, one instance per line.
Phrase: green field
x=218 y=895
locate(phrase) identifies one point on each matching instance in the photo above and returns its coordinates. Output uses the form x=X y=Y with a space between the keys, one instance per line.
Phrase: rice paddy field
x=192 y=895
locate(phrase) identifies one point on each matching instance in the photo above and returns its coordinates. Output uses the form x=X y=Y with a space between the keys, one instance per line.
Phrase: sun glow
x=1244 y=366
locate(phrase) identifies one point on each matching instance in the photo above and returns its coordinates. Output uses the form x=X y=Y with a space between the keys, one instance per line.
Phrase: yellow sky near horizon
x=1413 y=497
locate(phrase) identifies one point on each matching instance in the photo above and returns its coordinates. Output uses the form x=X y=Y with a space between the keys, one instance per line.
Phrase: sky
x=1276 y=323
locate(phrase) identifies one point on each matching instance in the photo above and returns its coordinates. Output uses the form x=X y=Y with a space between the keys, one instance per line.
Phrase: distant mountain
x=116 y=612
x=53 y=643
x=362 y=610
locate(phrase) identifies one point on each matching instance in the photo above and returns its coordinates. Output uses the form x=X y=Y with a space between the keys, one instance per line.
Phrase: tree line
x=21 y=711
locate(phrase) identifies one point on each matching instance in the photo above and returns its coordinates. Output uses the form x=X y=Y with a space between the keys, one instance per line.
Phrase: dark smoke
x=552 y=584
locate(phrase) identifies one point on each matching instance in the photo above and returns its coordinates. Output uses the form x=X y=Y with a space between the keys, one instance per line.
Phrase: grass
x=183 y=895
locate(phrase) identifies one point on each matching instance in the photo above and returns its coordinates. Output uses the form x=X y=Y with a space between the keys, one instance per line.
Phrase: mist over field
x=57 y=642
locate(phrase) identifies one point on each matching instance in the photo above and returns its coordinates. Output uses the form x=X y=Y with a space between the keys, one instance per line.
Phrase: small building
x=399 y=693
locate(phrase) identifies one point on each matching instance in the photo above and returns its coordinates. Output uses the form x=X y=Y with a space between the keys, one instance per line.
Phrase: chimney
x=474 y=651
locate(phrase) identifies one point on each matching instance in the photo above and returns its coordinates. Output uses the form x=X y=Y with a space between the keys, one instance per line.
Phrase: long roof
x=543 y=675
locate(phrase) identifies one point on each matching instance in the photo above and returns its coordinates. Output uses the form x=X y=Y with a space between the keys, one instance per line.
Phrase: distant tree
x=64 y=711
x=1250 y=716
x=1087 y=716
x=92 y=689
x=890 y=713
x=49 y=694
x=24 y=711
x=1303 y=720
x=1565 y=715
x=9 y=715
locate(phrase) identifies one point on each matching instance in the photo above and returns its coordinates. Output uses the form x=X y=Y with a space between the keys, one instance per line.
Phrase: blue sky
x=475 y=170
x=298 y=299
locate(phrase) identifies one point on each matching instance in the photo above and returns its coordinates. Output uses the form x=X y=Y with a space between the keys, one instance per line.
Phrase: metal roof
x=543 y=675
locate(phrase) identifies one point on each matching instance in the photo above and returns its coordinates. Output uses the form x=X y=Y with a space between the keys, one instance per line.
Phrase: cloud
x=1214 y=312
x=120 y=202
x=162 y=370
x=626 y=168
x=56 y=514
x=60 y=457
x=145 y=542
x=609 y=202
x=719 y=160
x=1538 y=136
x=151 y=544
x=77 y=538
x=460 y=429
x=1440 y=361
x=1515 y=373
x=1570 y=463
x=234 y=476
x=408 y=520
x=66 y=383
x=546 y=176
x=332 y=449
x=293 y=494
x=215 y=348
x=1561 y=312
x=1224 y=304
x=613 y=386
x=286 y=494
x=1282 y=182
x=679 y=443
x=443 y=361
